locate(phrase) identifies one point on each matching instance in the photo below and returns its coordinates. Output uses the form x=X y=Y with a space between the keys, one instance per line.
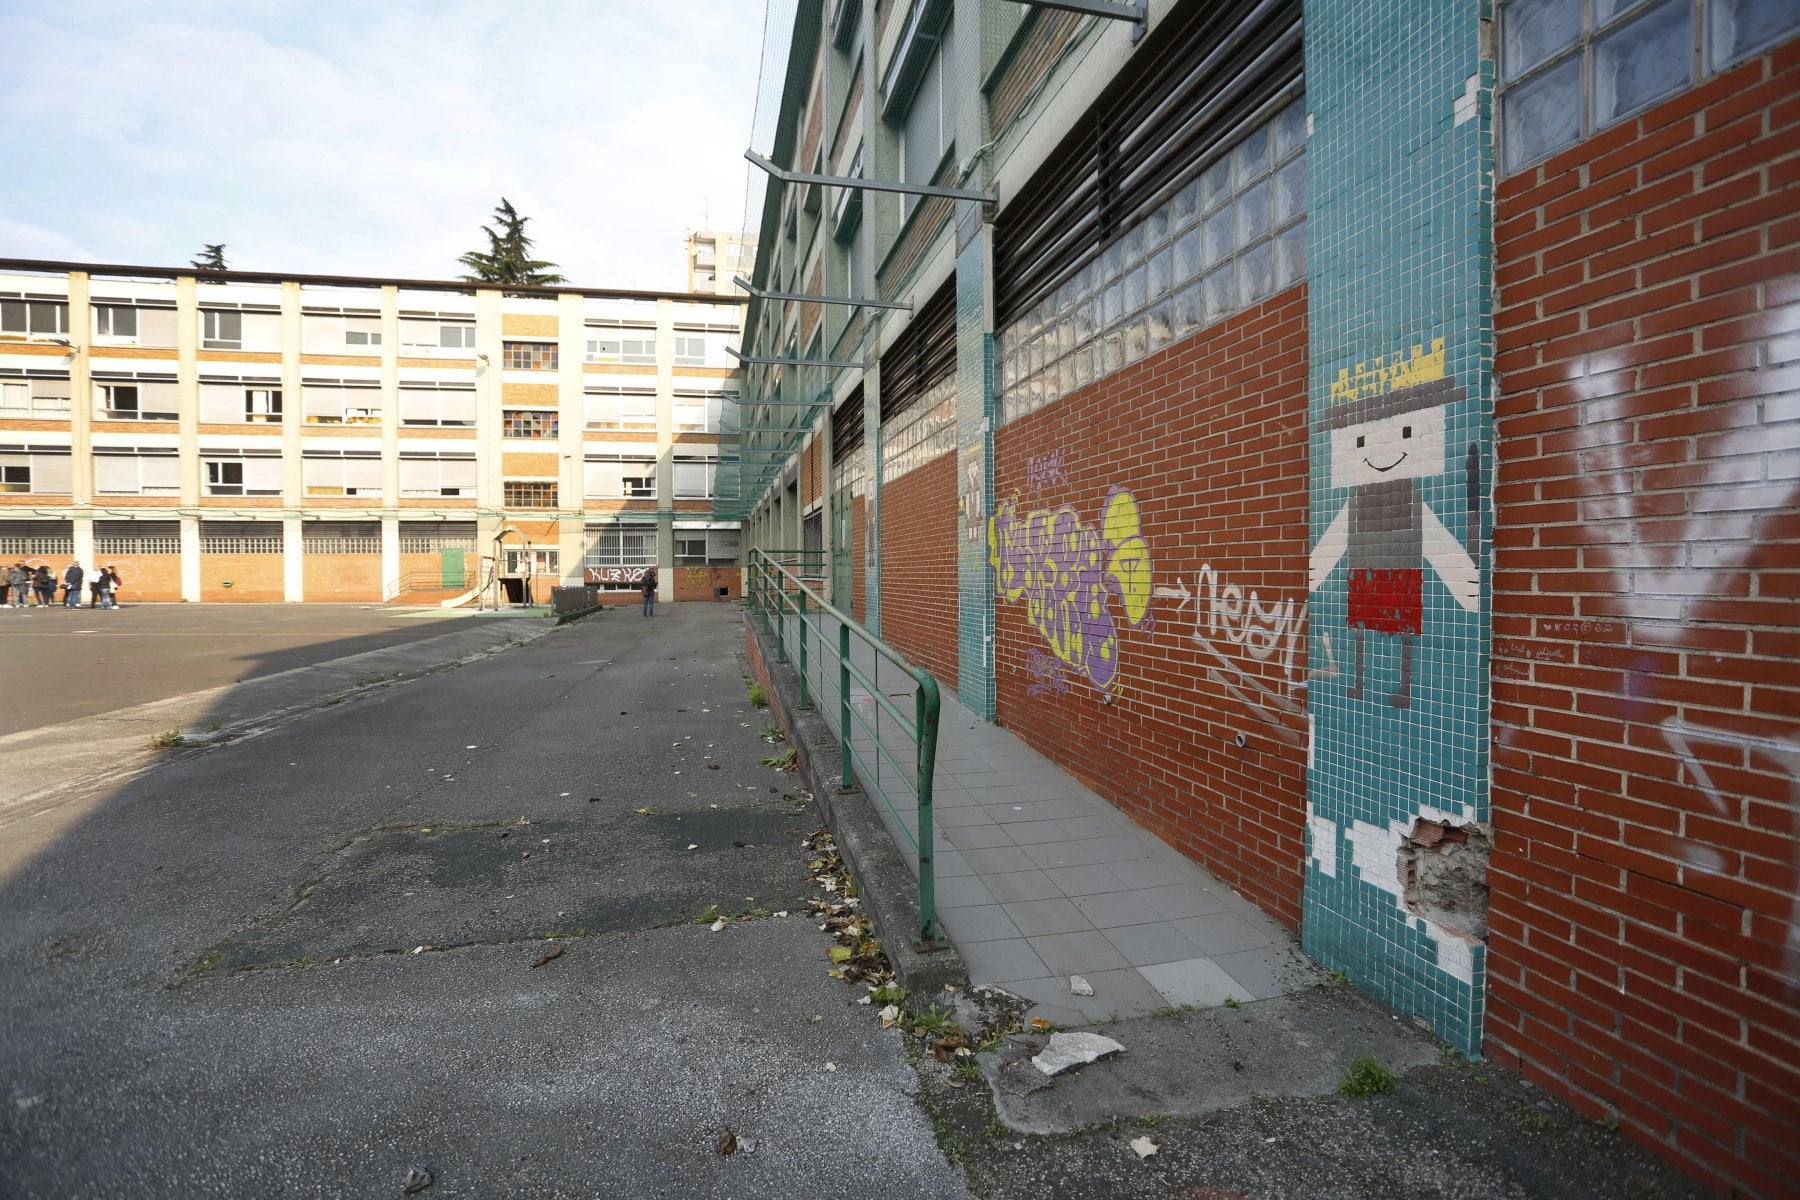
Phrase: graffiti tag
x=1269 y=632
x=1066 y=573
x=1046 y=672
x=1043 y=470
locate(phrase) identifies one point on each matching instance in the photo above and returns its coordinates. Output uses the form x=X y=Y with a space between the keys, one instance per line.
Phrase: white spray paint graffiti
x=1269 y=632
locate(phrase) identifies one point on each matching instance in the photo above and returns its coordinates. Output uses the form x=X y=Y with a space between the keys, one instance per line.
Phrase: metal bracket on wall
x=852 y=301
x=1135 y=11
x=871 y=185
x=762 y=360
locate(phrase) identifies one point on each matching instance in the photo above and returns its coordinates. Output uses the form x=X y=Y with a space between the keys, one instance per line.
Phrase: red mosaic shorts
x=1387 y=600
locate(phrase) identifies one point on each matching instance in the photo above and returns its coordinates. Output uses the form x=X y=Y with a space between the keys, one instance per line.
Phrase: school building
x=237 y=436
x=1361 y=440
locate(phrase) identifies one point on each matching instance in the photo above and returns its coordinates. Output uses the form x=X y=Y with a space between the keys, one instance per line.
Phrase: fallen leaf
x=712 y=766
x=889 y=1015
x=717 y=925
x=644 y=811
x=838 y=954
x=1144 y=1147
x=693 y=846
x=782 y=913
x=553 y=952
x=417 y=1180
x=727 y=1141
x=831 y=1066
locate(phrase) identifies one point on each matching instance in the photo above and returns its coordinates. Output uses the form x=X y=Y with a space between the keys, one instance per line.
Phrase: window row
x=1570 y=68
x=1230 y=238
x=237 y=329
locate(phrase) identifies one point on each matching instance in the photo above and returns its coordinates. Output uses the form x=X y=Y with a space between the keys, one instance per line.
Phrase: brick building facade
x=1362 y=448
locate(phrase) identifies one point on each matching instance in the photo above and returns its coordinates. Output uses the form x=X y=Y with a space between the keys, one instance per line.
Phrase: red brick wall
x=143 y=578
x=1030 y=63
x=1643 y=958
x=702 y=583
x=918 y=566
x=335 y=578
x=253 y=577
x=1210 y=437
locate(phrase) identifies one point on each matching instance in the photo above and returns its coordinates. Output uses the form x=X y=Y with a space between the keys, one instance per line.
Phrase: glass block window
x=1229 y=239
x=924 y=431
x=529 y=493
x=1570 y=68
x=527 y=423
x=529 y=356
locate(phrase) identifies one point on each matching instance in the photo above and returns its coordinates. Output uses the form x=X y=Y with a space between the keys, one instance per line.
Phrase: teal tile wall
x=1401 y=424
x=974 y=477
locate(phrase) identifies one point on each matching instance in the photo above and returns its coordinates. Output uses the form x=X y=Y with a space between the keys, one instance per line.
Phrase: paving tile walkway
x=1039 y=879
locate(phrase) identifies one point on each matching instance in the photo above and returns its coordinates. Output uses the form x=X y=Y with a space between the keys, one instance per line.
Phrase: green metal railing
x=781 y=598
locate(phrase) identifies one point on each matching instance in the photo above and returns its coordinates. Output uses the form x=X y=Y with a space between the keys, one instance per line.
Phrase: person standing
x=650 y=592
x=18 y=580
x=109 y=587
x=72 y=577
x=45 y=583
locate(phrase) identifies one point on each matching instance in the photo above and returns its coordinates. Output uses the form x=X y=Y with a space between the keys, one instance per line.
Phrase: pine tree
x=508 y=259
x=212 y=257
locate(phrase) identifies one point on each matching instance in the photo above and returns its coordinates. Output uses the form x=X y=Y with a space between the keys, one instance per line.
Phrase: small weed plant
x=759 y=695
x=168 y=739
x=1366 y=1078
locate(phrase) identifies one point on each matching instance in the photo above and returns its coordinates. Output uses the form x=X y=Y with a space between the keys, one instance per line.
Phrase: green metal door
x=450 y=562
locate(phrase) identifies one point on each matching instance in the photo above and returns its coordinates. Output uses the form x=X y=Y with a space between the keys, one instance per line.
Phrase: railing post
x=780 y=619
x=845 y=772
x=927 y=758
x=805 y=684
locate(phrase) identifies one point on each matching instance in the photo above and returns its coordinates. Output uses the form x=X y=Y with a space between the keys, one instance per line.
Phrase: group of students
x=21 y=585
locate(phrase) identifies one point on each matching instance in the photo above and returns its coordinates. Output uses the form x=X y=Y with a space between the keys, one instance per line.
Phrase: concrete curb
x=884 y=880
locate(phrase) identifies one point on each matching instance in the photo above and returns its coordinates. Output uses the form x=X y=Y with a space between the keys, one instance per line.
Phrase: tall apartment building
x=714 y=256
x=1362 y=448
x=241 y=436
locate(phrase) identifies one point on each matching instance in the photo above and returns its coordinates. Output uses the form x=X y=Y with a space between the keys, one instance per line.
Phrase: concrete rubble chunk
x=1072 y=1050
x=1079 y=986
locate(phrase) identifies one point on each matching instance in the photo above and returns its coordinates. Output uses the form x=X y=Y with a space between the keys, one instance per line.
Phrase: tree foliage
x=212 y=257
x=508 y=259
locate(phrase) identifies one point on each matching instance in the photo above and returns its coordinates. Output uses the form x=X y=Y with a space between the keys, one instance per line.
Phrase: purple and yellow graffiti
x=1066 y=573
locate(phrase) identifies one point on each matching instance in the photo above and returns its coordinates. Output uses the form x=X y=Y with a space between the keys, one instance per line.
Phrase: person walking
x=18 y=581
x=650 y=592
x=45 y=583
x=72 y=577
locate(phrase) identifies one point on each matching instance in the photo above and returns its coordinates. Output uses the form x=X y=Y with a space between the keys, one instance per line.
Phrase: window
x=235 y=402
x=35 y=318
x=529 y=493
x=697 y=412
x=622 y=344
x=1227 y=240
x=694 y=478
x=341 y=475
x=529 y=356
x=929 y=131
x=326 y=403
x=340 y=537
x=34 y=398
x=242 y=475
x=706 y=547
x=440 y=476
x=115 y=321
x=340 y=333
x=425 y=336
x=143 y=400
x=136 y=472
x=527 y=423
x=617 y=555
x=221 y=330
x=615 y=477
x=1570 y=68
x=249 y=537
x=537 y=561
x=437 y=406
x=15 y=473
x=690 y=351
x=620 y=408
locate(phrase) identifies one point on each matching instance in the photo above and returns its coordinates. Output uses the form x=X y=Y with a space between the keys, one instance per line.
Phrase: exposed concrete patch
x=1443 y=870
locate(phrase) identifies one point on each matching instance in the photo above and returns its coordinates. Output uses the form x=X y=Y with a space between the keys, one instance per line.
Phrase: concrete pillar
x=293 y=560
x=190 y=559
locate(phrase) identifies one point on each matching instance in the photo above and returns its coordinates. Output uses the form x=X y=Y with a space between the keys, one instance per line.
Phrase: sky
x=375 y=137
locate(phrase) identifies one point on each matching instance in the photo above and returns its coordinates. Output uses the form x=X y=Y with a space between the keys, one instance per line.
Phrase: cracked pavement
x=213 y=983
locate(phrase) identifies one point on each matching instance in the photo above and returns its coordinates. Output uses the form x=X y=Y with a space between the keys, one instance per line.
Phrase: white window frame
x=163 y=480
x=330 y=475
x=21 y=316
x=455 y=476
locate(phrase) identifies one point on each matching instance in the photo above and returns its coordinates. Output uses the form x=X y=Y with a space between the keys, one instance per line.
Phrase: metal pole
x=845 y=772
x=927 y=753
x=805 y=698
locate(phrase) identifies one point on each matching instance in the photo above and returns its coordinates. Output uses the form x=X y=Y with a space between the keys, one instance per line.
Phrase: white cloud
x=356 y=139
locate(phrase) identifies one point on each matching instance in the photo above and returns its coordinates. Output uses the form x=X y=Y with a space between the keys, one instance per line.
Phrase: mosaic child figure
x=1380 y=445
